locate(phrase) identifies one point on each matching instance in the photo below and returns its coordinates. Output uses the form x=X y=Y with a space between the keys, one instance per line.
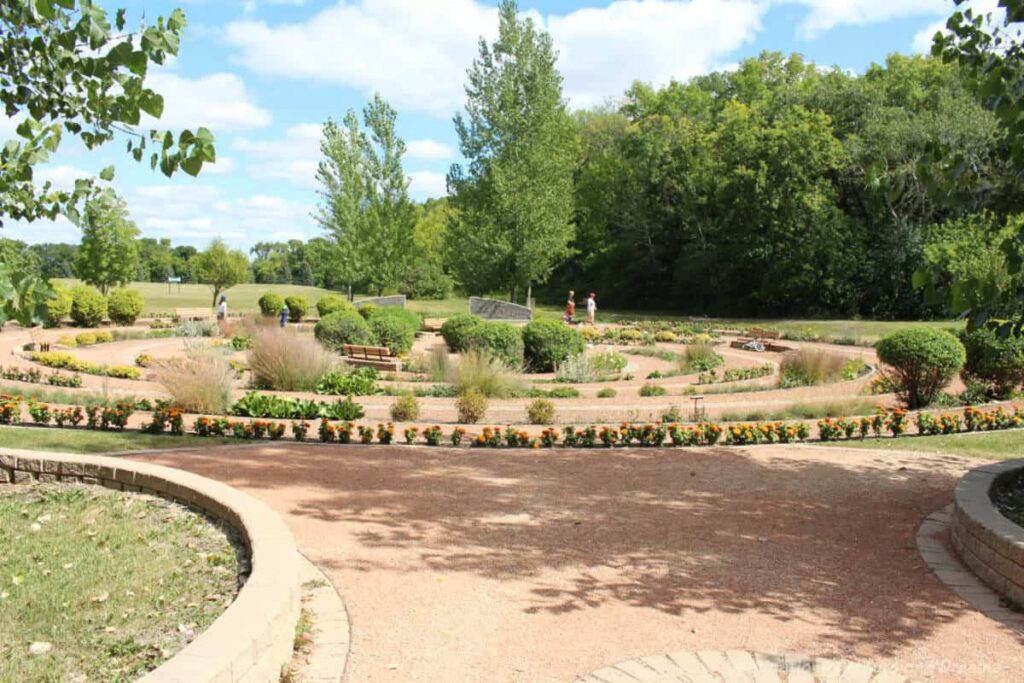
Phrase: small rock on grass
x=39 y=648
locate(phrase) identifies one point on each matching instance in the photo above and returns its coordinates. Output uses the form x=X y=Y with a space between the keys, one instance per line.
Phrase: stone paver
x=740 y=666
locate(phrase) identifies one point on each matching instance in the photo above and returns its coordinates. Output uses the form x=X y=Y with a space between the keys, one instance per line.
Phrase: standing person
x=591 y=307
x=222 y=309
x=570 y=308
x=284 y=315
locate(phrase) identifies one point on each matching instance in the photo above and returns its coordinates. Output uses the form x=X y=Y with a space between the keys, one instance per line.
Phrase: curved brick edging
x=990 y=544
x=253 y=638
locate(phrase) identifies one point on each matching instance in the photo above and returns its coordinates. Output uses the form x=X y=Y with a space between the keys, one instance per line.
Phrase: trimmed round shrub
x=59 y=307
x=393 y=333
x=85 y=339
x=88 y=306
x=471 y=405
x=298 y=306
x=271 y=304
x=541 y=412
x=994 y=361
x=406 y=408
x=338 y=329
x=501 y=340
x=455 y=328
x=124 y=306
x=368 y=310
x=922 y=361
x=412 y=319
x=548 y=343
x=332 y=303
x=104 y=337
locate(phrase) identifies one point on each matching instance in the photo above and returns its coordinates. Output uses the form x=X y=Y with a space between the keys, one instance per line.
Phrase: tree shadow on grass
x=797 y=536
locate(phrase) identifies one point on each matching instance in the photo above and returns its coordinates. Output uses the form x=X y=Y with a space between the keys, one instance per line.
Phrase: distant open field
x=163 y=299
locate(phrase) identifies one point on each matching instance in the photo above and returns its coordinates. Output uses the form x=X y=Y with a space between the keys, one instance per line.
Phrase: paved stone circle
x=739 y=666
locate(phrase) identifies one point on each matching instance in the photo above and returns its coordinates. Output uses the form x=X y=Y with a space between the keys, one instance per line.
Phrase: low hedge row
x=65 y=361
x=541 y=345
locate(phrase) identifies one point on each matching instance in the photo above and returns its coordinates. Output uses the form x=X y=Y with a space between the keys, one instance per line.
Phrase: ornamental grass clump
x=480 y=371
x=808 y=367
x=920 y=361
x=283 y=360
x=198 y=383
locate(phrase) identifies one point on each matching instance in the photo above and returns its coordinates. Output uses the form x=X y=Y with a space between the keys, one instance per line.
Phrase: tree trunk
x=350 y=293
x=529 y=296
x=216 y=291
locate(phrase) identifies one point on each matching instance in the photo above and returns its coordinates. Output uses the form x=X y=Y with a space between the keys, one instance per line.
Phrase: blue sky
x=264 y=74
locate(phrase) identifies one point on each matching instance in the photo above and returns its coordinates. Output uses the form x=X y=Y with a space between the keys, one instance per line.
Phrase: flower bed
x=66 y=361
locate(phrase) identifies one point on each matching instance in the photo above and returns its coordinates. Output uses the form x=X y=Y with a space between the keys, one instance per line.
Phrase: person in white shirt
x=591 y=307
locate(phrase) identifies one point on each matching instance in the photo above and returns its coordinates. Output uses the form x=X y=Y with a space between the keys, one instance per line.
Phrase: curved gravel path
x=523 y=566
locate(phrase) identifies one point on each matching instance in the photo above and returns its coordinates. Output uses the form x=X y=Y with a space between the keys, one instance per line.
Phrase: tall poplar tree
x=364 y=197
x=513 y=204
x=109 y=254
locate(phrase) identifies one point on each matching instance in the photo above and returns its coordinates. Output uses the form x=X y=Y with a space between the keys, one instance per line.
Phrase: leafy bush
x=342 y=409
x=357 y=382
x=427 y=280
x=88 y=306
x=471 y=406
x=482 y=372
x=270 y=304
x=922 y=361
x=607 y=392
x=104 y=336
x=198 y=383
x=608 y=362
x=501 y=340
x=412 y=319
x=548 y=343
x=701 y=358
x=541 y=412
x=333 y=303
x=124 y=372
x=396 y=334
x=124 y=306
x=367 y=310
x=283 y=360
x=665 y=336
x=298 y=307
x=59 y=307
x=345 y=327
x=994 y=361
x=197 y=328
x=455 y=329
x=405 y=409
x=808 y=367
x=85 y=339
x=652 y=390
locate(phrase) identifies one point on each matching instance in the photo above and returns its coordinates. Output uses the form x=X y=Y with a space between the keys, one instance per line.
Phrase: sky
x=264 y=75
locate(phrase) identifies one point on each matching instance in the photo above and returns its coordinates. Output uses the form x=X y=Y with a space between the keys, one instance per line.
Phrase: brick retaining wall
x=989 y=543
x=253 y=639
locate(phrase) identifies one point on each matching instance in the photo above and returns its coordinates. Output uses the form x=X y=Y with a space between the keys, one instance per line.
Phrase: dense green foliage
x=108 y=256
x=124 y=306
x=513 y=219
x=455 y=329
x=393 y=333
x=332 y=303
x=995 y=360
x=298 y=306
x=88 y=306
x=220 y=268
x=922 y=361
x=548 y=343
x=59 y=307
x=270 y=304
x=344 y=327
x=501 y=340
x=24 y=296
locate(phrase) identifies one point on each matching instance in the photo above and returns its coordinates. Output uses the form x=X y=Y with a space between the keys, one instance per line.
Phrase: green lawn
x=990 y=445
x=103 y=585
x=82 y=441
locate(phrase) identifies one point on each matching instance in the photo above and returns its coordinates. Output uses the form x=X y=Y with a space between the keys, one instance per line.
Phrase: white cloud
x=428 y=149
x=292 y=158
x=220 y=101
x=923 y=39
x=222 y=166
x=825 y=15
x=416 y=53
x=427 y=184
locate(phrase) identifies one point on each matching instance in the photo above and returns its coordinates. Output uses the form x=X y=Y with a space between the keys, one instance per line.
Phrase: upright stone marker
x=492 y=309
x=393 y=301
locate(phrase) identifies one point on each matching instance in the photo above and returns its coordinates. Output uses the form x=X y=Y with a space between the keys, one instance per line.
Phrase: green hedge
x=994 y=360
x=345 y=327
x=271 y=304
x=922 y=361
x=333 y=303
x=548 y=343
x=124 y=306
x=88 y=306
x=455 y=329
x=397 y=335
x=298 y=306
x=502 y=340
x=58 y=307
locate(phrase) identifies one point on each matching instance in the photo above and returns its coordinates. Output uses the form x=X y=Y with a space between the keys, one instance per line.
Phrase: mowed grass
x=990 y=445
x=106 y=584
x=83 y=441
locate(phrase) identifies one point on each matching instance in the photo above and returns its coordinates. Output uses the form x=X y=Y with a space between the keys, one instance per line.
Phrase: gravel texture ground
x=524 y=566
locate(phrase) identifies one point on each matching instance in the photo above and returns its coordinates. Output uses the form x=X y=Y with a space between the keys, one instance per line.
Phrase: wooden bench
x=378 y=357
x=765 y=338
x=434 y=324
x=758 y=334
x=184 y=314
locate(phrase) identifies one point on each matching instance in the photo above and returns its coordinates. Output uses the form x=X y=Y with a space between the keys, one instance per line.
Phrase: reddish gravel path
x=513 y=566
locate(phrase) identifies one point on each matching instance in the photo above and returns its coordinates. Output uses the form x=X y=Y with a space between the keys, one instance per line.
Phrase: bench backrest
x=758 y=333
x=366 y=351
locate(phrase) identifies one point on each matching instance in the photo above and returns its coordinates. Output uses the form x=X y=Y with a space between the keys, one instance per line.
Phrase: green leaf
x=192 y=165
x=45 y=8
x=107 y=173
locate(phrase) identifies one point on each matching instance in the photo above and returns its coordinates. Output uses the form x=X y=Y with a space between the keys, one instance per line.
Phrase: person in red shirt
x=570 y=308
